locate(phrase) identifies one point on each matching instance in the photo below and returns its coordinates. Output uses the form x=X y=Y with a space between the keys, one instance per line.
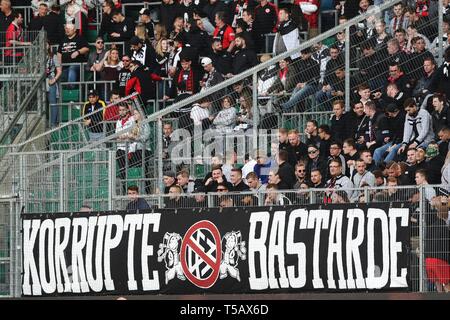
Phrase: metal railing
x=22 y=91
x=256 y=114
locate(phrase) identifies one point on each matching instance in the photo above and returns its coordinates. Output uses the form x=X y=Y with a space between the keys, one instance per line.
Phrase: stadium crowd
x=397 y=132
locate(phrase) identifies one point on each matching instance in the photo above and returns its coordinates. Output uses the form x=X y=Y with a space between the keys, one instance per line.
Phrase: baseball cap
x=135 y=41
x=144 y=11
x=169 y=174
x=391 y=107
x=206 y=61
x=92 y=92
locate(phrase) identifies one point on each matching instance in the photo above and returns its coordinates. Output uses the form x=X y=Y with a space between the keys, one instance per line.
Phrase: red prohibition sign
x=215 y=265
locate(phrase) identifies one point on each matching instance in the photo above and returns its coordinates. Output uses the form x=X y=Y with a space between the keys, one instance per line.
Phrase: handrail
x=265 y=65
x=248 y=73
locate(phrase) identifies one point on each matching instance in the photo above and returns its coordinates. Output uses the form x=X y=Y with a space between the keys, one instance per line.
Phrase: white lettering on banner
x=132 y=222
x=299 y=249
x=352 y=246
x=111 y=243
x=286 y=249
x=374 y=282
x=320 y=219
x=258 y=245
x=147 y=250
x=335 y=247
x=79 y=283
x=396 y=247
x=62 y=225
x=95 y=283
x=29 y=265
x=46 y=256
x=276 y=246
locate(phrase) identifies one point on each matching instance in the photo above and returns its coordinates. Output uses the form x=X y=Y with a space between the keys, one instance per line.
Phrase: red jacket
x=313 y=19
x=142 y=81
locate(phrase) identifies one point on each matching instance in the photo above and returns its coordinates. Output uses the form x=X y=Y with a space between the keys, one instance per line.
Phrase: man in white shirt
x=123 y=127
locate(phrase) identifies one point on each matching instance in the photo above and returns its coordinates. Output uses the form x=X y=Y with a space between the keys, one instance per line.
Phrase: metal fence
x=429 y=238
x=10 y=242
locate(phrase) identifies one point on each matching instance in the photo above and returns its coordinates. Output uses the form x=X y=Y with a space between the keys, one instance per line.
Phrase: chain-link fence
x=10 y=241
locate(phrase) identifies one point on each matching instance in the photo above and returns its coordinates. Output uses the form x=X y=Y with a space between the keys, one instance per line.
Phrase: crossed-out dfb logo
x=202 y=256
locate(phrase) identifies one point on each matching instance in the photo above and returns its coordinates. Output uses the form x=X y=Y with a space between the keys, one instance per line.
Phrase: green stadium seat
x=199 y=170
x=70 y=95
x=90 y=35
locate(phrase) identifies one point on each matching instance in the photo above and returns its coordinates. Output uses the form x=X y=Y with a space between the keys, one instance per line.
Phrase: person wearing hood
x=434 y=163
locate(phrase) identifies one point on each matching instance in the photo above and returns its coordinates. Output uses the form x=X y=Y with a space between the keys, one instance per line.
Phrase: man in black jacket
x=297 y=150
x=285 y=172
x=237 y=184
x=141 y=81
x=371 y=135
x=339 y=122
x=395 y=121
x=441 y=113
x=222 y=59
x=244 y=58
x=307 y=80
x=442 y=80
x=106 y=26
x=143 y=52
x=122 y=28
x=315 y=162
x=146 y=19
x=215 y=178
x=424 y=85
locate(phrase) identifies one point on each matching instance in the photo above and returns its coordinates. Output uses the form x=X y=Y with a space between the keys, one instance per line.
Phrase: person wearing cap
x=72 y=49
x=211 y=77
x=307 y=80
x=145 y=18
x=143 y=52
x=93 y=116
x=434 y=163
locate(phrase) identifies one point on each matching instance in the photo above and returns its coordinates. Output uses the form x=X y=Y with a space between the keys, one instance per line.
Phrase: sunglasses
x=312 y=151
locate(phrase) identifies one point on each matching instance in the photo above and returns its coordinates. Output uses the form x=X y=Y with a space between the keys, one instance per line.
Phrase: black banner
x=233 y=250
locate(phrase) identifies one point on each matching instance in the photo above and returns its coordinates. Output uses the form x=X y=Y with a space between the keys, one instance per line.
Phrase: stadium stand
x=237 y=96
